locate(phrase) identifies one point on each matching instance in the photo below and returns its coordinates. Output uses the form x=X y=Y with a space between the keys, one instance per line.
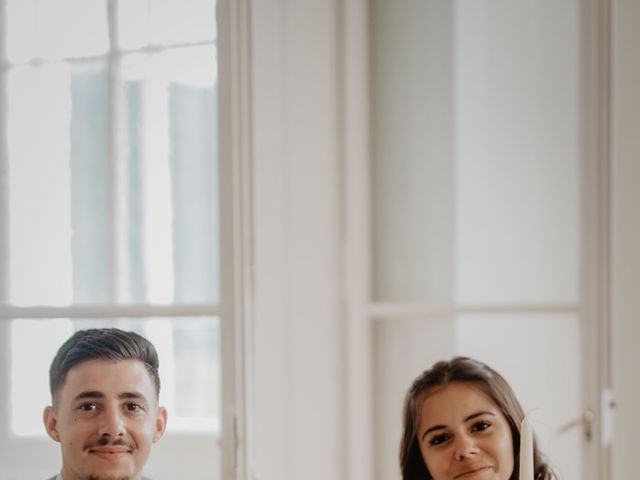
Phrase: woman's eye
x=480 y=426
x=439 y=439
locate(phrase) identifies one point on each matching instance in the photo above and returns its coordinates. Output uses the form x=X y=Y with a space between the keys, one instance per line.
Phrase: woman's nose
x=465 y=447
x=112 y=423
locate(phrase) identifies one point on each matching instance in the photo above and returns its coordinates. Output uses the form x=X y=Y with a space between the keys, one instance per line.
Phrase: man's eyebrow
x=89 y=394
x=95 y=394
x=132 y=395
x=470 y=417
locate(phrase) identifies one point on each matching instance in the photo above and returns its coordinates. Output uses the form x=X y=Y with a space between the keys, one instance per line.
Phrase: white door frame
x=596 y=255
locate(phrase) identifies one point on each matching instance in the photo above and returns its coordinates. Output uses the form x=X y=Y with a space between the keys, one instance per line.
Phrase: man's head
x=102 y=344
x=105 y=414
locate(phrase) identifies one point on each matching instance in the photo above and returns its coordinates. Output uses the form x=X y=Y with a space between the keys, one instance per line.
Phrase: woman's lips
x=471 y=471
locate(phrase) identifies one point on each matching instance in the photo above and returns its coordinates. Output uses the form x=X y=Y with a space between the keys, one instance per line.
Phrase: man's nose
x=112 y=423
x=465 y=447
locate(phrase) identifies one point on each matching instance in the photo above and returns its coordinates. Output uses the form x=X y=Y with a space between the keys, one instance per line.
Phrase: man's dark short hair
x=102 y=344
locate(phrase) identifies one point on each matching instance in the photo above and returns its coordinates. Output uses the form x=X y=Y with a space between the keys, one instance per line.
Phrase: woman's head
x=459 y=416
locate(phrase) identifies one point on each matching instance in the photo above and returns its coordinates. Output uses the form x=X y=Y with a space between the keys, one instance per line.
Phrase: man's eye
x=133 y=407
x=480 y=426
x=87 y=407
x=439 y=439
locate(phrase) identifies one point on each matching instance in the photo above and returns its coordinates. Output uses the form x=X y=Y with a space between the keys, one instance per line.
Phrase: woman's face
x=463 y=435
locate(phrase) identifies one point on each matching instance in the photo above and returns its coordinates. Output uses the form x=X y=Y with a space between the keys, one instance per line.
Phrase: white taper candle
x=526 y=450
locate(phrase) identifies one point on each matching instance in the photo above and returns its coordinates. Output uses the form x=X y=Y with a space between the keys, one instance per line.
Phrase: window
x=110 y=210
x=189 y=350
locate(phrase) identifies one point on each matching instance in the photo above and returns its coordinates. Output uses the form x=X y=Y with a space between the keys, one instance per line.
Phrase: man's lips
x=471 y=470
x=110 y=453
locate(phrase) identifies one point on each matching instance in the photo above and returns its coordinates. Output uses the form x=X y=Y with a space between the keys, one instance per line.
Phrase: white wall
x=626 y=235
x=297 y=352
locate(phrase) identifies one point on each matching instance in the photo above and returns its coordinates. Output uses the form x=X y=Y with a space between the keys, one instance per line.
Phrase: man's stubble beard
x=96 y=477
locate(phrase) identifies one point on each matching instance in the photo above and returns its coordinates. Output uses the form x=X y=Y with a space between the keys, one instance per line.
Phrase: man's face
x=105 y=417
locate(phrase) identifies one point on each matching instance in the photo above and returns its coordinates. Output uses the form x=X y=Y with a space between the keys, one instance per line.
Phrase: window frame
x=233 y=308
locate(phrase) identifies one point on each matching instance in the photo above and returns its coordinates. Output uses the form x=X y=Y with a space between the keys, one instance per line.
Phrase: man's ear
x=161 y=424
x=51 y=423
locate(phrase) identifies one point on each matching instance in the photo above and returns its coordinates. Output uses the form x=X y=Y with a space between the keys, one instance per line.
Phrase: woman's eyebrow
x=478 y=414
x=432 y=429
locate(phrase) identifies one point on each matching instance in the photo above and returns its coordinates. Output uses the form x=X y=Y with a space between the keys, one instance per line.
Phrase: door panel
x=540 y=356
x=403 y=348
x=478 y=151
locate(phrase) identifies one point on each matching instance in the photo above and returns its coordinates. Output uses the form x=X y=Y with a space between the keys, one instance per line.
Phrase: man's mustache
x=106 y=441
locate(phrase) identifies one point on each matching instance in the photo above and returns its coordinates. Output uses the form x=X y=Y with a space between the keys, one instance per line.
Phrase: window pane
x=475 y=190
x=404 y=347
x=83 y=231
x=518 y=218
x=58 y=199
x=412 y=167
x=190 y=369
x=539 y=355
x=165 y=22
x=33 y=345
x=39 y=114
x=171 y=125
x=20 y=26
x=90 y=195
x=196 y=353
x=55 y=29
x=133 y=24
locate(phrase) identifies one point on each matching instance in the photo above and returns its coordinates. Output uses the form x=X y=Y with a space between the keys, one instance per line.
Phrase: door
x=484 y=196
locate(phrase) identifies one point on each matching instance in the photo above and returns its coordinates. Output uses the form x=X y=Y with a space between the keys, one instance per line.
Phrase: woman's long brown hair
x=487 y=380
